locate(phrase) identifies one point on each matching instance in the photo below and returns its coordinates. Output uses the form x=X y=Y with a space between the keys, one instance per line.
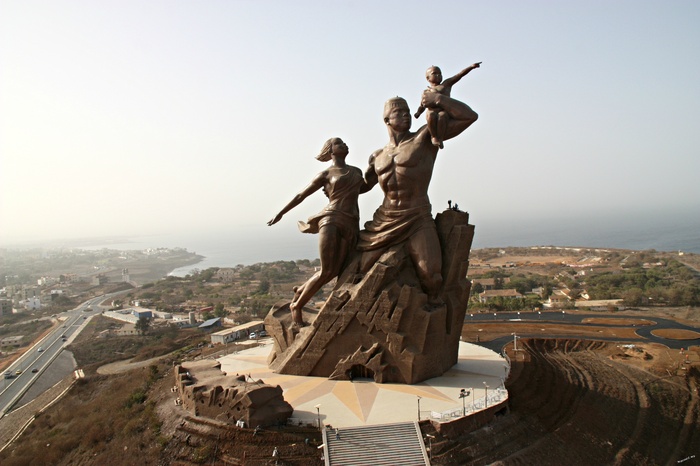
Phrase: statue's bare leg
x=441 y=128
x=433 y=118
x=296 y=310
x=424 y=249
x=333 y=251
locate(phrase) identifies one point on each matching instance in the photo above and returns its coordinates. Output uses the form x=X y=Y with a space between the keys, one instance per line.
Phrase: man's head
x=397 y=114
x=394 y=102
x=433 y=75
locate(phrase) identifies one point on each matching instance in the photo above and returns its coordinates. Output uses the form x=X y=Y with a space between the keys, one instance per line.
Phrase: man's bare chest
x=401 y=157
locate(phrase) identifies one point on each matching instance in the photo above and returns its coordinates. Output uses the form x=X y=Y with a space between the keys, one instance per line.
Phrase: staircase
x=398 y=444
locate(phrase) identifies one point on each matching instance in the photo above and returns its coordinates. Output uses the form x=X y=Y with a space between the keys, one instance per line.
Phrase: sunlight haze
x=135 y=118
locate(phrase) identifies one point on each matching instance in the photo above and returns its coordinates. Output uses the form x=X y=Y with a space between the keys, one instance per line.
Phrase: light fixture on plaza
x=430 y=445
x=318 y=414
x=486 y=395
x=418 y=407
x=463 y=394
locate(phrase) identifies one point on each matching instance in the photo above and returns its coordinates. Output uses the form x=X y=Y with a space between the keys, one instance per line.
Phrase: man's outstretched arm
x=461 y=115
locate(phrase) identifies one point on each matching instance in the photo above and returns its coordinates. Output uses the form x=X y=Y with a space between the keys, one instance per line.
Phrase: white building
x=238 y=332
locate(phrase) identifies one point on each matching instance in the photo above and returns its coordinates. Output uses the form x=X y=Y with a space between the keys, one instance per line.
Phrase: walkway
x=342 y=403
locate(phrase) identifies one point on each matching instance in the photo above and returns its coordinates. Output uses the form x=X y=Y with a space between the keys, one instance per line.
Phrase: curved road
x=557 y=317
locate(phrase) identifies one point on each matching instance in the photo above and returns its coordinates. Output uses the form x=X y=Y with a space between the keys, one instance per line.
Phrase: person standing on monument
x=403 y=169
x=337 y=224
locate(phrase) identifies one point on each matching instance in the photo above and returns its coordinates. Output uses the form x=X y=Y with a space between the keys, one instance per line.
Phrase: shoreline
x=224 y=262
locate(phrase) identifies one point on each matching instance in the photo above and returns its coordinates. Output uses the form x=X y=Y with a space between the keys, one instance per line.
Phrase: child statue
x=437 y=119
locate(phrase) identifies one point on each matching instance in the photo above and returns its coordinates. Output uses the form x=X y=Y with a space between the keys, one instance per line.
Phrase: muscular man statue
x=403 y=169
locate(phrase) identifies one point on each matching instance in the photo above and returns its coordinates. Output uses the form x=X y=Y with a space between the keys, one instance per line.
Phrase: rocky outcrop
x=380 y=325
x=206 y=391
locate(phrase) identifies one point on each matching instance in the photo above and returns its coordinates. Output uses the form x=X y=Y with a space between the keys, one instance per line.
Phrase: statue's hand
x=277 y=218
x=476 y=65
x=429 y=99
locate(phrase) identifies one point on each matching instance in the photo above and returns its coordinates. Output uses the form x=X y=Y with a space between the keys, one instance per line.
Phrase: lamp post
x=515 y=341
x=473 y=396
x=430 y=445
x=486 y=395
x=419 y=407
x=318 y=414
x=463 y=394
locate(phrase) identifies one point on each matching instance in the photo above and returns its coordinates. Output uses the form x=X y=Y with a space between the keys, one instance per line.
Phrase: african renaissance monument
x=396 y=311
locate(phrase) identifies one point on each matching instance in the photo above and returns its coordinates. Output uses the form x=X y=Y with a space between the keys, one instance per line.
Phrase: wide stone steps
x=398 y=444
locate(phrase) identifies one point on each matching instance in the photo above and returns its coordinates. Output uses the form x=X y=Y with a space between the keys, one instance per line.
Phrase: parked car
x=35 y=370
x=262 y=333
x=253 y=336
x=40 y=349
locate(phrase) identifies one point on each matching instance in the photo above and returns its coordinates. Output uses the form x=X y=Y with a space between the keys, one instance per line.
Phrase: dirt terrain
x=582 y=402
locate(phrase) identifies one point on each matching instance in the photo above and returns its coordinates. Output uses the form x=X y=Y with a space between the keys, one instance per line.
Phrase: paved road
x=42 y=361
x=574 y=319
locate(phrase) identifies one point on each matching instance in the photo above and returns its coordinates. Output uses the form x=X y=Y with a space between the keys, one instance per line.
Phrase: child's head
x=433 y=75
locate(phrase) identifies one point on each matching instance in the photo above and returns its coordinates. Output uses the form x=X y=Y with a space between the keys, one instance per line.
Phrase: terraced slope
x=574 y=402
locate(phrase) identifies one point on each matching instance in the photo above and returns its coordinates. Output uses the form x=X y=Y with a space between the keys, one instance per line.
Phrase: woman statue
x=337 y=224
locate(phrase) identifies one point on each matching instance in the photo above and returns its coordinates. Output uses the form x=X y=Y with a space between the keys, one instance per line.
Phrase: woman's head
x=334 y=146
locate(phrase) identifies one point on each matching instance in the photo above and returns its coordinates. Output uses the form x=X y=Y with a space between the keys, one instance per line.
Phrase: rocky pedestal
x=204 y=390
x=379 y=325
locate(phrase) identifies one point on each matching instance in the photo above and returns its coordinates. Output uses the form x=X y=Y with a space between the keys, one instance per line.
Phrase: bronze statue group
x=403 y=169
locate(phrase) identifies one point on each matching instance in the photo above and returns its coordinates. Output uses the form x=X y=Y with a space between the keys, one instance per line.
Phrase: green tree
x=633 y=297
x=220 y=311
x=264 y=286
x=143 y=325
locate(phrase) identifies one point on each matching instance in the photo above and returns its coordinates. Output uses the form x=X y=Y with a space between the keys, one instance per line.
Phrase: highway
x=35 y=361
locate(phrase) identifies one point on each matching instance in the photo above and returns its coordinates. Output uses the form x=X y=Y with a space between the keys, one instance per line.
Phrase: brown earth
x=679 y=334
x=483 y=331
x=582 y=402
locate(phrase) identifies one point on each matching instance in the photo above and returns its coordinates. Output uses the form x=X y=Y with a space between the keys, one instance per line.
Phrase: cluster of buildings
x=29 y=297
x=131 y=316
x=18 y=298
x=560 y=296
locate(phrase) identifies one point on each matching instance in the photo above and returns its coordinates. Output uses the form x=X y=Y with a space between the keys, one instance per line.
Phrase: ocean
x=249 y=245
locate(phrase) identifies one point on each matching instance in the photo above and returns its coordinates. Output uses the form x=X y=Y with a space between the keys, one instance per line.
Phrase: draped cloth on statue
x=394 y=226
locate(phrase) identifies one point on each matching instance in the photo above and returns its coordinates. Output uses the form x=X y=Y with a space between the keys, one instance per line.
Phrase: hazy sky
x=139 y=117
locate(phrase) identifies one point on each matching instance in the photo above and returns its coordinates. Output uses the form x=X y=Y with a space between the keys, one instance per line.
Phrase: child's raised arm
x=454 y=79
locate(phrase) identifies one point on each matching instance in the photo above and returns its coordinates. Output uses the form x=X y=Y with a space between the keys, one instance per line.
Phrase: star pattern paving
x=343 y=403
